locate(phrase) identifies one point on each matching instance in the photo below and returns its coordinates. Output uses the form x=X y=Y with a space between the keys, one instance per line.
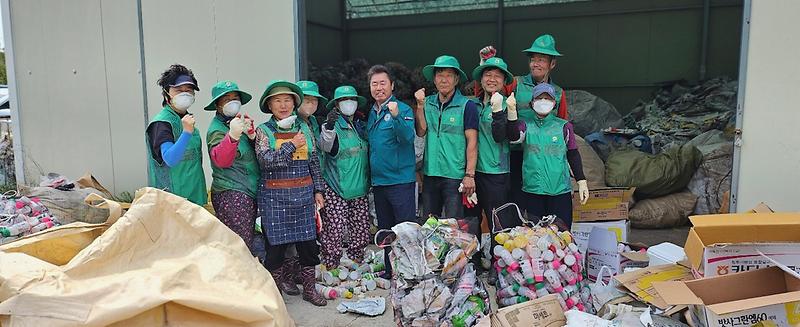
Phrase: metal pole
x=13 y=99
x=500 y=24
x=301 y=39
x=737 y=142
x=704 y=47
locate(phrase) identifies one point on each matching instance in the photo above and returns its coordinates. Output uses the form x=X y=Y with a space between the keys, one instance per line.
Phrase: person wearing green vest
x=310 y=106
x=449 y=123
x=175 y=157
x=233 y=161
x=492 y=168
x=290 y=190
x=346 y=171
x=550 y=151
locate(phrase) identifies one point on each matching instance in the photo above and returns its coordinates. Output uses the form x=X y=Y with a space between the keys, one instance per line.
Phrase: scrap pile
x=352 y=279
x=434 y=284
x=23 y=216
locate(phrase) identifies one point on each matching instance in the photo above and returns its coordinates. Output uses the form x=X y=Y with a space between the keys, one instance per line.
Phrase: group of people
x=308 y=179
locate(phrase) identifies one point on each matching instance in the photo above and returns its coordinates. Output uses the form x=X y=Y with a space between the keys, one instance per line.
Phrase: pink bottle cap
x=558 y=288
x=581 y=307
x=570 y=303
x=49 y=224
x=538 y=278
x=580 y=277
x=513 y=266
x=572 y=281
x=36 y=200
x=556 y=264
x=576 y=268
x=20 y=204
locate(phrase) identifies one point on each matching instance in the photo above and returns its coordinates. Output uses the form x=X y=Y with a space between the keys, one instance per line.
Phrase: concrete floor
x=308 y=315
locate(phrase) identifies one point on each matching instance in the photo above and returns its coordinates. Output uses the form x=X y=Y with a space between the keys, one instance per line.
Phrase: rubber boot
x=293 y=271
x=309 y=291
x=284 y=284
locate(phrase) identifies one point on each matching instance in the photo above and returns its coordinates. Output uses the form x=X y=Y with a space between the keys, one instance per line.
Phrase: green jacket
x=243 y=175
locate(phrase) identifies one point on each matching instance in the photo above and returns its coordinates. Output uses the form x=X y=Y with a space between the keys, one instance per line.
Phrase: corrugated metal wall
x=79 y=77
x=617 y=49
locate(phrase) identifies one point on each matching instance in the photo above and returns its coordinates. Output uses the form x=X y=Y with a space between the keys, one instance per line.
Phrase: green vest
x=314 y=127
x=243 y=175
x=185 y=179
x=347 y=173
x=545 y=170
x=445 y=142
x=301 y=153
x=524 y=94
x=493 y=157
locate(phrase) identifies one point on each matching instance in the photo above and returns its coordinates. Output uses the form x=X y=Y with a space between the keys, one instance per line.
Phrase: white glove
x=511 y=104
x=583 y=190
x=237 y=127
x=497 y=102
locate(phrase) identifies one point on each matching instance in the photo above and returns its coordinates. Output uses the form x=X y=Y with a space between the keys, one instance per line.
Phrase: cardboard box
x=727 y=244
x=746 y=299
x=541 y=312
x=582 y=230
x=603 y=204
x=761 y=208
x=639 y=283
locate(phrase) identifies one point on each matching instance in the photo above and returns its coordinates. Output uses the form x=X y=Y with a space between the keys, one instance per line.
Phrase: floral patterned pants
x=338 y=215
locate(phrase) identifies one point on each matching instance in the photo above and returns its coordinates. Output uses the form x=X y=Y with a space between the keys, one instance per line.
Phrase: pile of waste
x=533 y=262
x=434 y=283
x=352 y=279
x=21 y=216
x=680 y=112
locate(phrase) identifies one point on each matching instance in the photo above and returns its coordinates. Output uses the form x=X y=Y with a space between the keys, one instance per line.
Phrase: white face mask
x=182 y=101
x=348 y=107
x=287 y=122
x=231 y=109
x=306 y=109
x=543 y=106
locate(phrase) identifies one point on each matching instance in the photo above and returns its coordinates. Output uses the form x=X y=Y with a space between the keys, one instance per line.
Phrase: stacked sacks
x=434 y=283
x=533 y=262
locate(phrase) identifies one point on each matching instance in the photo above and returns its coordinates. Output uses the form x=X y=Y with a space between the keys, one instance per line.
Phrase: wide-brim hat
x=312 y=89
x=493 y=62
x=276 y=87
x=346 y=91
x=444 y=61
x=544 y=44
x=225 y=87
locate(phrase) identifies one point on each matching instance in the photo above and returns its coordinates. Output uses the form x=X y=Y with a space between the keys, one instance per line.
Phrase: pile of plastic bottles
x=352 y=279
x=434 y=283
x=23 y=216
x=533 y=262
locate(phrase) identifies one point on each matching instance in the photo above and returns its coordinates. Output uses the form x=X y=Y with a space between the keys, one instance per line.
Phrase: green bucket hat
x=276 y=87
x=222 y=88
x=444 y=61
x=312 y=89
x=346 y=91
x=493 y=62
x=544 y=44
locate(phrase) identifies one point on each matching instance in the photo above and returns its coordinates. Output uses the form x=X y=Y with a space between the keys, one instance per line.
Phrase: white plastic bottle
x=501 y=252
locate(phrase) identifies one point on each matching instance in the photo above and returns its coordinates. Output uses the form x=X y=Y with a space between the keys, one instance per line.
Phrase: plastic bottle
x=562 y=302
x=538 y=269
x=354 y=275
x=383 y=283
x=508 y=291
x=580 y=307
x=350 y=284
x=503 y=253
x=330 y=277
x=532 y=251
x=329 y=293
x=586 y=295
x=15 y=229
x=501 y=238
x=519 y=254
x=349 y=264
x=41 y=227
x=517 y=276
x=520 y=242
x=541 y=291
x=468 y=312
x=527 y=292
x=560 y=253
x=344 y=273
x=370 y=284
x=512 y=300
x=553 y=280
x=572 y=301
x=569 y=260
x=527 y=271
x=466 y=284
x=568 y=275
x=548 y=256
x=501 y=278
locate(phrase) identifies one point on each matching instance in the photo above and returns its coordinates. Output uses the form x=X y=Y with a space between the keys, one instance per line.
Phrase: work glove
x=497 y=102
x=511 y=105
x=330 y=121
x=237 y=127
x=468 y=201
x=583 y=191
x=486 y=53
x=250 y=127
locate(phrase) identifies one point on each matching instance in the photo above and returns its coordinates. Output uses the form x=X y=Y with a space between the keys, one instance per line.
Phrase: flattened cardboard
x=723 y=244
x=541 y=312
x=742 y=299
x=640 y=282
x=603 y=204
